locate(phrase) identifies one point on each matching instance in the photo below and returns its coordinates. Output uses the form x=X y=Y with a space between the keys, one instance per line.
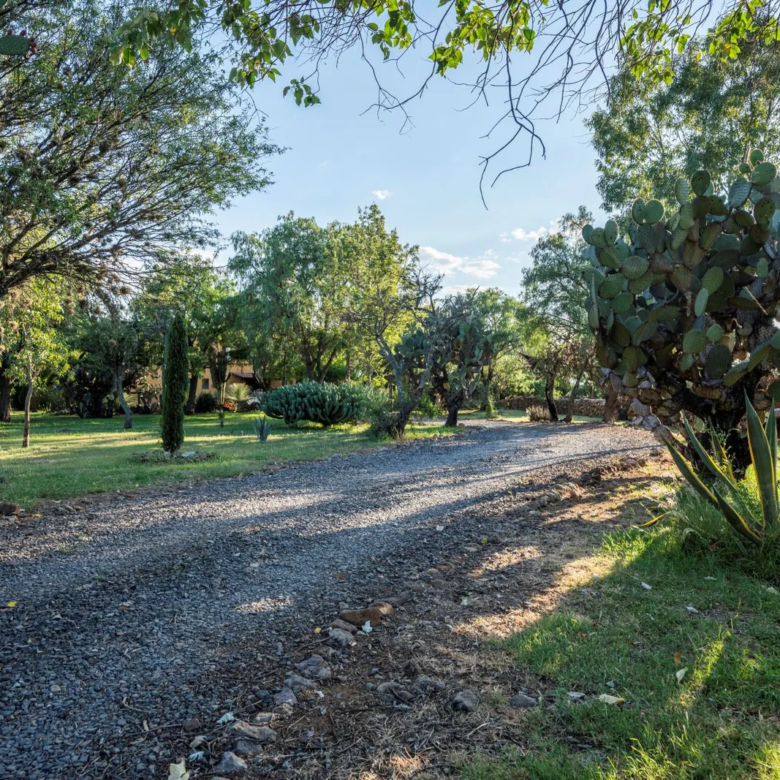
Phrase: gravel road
x=136 y=610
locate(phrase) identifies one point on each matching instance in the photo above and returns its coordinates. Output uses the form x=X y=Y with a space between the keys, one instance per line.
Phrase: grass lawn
x=70 y=457
x=695 y=657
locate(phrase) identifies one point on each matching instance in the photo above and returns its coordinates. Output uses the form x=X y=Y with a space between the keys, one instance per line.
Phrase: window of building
x=205 y=384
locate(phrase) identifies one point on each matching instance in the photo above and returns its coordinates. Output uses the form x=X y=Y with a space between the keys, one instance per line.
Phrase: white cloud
x=442 y=261
x=521 y=234
x=483 y=267
x=381 y=194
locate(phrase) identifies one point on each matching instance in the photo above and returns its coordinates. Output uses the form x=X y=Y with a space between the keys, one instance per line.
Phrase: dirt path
x=135 y=613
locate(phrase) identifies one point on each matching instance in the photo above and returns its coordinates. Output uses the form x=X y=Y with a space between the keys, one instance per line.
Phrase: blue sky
x=426 y=180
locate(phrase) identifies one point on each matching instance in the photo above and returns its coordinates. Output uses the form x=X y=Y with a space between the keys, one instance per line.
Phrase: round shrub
x=206 y=403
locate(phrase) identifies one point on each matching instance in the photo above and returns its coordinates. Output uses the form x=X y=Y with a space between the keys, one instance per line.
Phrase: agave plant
x=724 y=494
x=262 y=428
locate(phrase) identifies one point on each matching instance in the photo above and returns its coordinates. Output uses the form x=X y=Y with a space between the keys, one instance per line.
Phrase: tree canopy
x=105 y=168
x=707 y=116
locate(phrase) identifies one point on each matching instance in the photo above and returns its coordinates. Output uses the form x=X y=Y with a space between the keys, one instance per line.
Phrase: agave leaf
x=722 y=456
x=764 y=466
x=653 y=520
x=735 y=519
x=713 y=467
x=771 y=437
x=691 y=476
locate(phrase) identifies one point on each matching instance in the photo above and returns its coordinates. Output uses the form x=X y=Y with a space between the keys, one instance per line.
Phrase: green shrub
x=751 y=506
x=427 y=407
x=385 y=423
x=206 y=403
x=175 y=385
x=314 y=402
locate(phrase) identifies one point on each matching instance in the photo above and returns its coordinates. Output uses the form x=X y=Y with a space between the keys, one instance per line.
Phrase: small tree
x=31 y=339
x=175 y=383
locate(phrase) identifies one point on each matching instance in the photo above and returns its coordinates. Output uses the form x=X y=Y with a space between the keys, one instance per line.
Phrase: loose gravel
x=149 y=609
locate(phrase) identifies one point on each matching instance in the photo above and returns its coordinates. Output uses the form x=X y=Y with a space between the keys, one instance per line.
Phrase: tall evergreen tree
x=175 y=383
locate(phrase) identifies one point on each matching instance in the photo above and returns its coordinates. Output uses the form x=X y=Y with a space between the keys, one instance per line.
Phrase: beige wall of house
x=239 y=373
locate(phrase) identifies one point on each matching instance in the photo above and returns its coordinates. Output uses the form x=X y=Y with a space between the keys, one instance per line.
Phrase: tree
x=569 y=46
x=709 y=116
x=555 y=293
x=470 y=331
x=109 y=341
x=190 y=284
x=684 y=310
x=29 y=320
x=405 y=296
x=105 y=168
x=293 y=287
x=380 y=273
x=175 y=381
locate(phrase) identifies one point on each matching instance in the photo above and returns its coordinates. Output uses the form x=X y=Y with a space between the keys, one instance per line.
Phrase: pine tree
x=175 y=384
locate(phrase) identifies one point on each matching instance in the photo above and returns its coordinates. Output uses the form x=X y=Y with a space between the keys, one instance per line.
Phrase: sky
x=425 y=178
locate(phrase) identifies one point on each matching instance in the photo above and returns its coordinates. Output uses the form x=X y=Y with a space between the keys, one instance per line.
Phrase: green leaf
x=764 y=465
x=735 y=519
x=713 y=467
x=687 y=471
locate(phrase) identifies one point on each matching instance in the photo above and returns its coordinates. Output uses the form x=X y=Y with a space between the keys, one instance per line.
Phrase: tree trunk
x=404 y=414
x=570 y=409
x=27 y=399
x=548 y=396
x=5 y=398
x=611 y=406
x=123 y=402
x=192 y=396
x=452 y=415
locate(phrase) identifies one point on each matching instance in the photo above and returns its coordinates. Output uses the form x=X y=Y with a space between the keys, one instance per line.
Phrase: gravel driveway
x=144 y=610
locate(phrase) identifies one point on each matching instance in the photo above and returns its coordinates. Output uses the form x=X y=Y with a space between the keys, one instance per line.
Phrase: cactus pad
x=14 y=45
x=718 y=361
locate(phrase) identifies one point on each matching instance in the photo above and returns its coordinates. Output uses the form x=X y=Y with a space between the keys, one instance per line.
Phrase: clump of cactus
x=317 y=402
x=683 y=300
x=13 y=45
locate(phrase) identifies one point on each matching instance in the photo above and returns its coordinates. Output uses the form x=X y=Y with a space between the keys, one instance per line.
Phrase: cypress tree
x=175 y=385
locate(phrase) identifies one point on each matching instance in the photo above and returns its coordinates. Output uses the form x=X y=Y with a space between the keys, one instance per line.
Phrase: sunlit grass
x=70 y=457
x=720 y=721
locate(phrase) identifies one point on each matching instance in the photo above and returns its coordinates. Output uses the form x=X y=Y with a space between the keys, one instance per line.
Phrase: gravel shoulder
x=155 y=609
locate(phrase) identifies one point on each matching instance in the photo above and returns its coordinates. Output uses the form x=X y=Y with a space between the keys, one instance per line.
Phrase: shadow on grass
x=716 y=719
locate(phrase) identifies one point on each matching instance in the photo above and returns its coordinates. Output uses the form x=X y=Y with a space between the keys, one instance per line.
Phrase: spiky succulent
x=683 y=306
x=318 y=402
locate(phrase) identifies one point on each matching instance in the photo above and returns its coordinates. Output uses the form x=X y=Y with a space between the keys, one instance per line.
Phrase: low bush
x=315 y=402
x=427 y=407
x=385 y=424
x=538 y=413
x=205 y=403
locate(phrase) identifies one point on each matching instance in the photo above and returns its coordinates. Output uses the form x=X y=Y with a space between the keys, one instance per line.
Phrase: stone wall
x=585 y=407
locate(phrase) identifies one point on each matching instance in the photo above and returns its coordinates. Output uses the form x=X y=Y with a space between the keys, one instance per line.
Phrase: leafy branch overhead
x=536 y=51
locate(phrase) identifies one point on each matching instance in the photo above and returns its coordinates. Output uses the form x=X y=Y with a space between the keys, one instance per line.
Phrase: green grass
x=720 y=721
x=70 y=457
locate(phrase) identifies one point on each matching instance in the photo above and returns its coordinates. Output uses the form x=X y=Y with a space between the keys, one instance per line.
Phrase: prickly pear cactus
x=683 y=302
x=17 y=45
